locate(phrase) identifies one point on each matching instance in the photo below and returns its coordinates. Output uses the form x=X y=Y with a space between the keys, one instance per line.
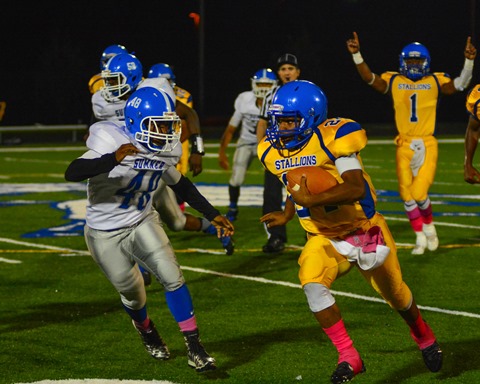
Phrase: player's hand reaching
x=353 y=45
x=125 y=150
x=223 y=225
x=274 y=219
x=470 y=50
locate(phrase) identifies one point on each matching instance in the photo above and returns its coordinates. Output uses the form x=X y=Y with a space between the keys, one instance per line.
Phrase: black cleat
x=344 y=373
x=433 y=357
x=198 y=358
x=152 y=342
x=274 y=245
x=228 y=245
x=232 y=214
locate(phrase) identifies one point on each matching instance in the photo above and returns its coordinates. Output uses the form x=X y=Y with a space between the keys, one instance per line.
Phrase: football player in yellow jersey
x=415 y=92
x=164 y=70
x=344 y=231
x=471 y=174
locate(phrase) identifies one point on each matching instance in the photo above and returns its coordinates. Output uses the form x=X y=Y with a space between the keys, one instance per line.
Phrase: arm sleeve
x=81 y=169
x=189 y=193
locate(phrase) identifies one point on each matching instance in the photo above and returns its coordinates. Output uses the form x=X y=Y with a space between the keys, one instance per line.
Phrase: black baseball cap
x=287 y=58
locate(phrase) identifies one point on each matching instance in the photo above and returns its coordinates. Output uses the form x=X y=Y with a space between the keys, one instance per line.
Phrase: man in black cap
x=287 y=70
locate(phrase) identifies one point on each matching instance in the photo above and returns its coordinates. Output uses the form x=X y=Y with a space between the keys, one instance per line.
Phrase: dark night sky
x=49 y=52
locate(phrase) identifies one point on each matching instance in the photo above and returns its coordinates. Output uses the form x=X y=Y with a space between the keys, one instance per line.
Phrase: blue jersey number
x=133 y=188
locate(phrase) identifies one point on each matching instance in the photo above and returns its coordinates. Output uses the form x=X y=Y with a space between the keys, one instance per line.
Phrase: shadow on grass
x=458 y=359
x=38 y=316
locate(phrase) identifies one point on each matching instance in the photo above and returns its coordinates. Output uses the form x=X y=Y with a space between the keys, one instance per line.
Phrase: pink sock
x=188 y=325
x=416 y=220
x=427 y=214
x=421 y=333
x=339 y=337
x=143 y=325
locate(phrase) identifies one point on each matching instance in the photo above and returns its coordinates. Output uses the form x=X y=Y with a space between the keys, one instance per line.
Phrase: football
x=318 y=179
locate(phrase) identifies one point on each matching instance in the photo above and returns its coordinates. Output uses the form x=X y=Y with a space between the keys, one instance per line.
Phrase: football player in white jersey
x=247 y=113
x=124 y=163
x=122 y=75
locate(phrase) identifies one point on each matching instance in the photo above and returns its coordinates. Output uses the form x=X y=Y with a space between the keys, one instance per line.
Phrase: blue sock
x=211 y=230
x=180 y=303
x=138 y=315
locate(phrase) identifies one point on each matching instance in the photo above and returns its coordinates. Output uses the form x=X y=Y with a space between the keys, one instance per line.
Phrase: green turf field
x=61 y=319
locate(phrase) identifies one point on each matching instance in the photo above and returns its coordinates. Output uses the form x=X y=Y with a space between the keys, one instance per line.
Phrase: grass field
x=61 y=319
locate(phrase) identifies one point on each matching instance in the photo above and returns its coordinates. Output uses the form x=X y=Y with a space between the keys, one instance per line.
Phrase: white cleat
x=431 y=234
x=420 y=244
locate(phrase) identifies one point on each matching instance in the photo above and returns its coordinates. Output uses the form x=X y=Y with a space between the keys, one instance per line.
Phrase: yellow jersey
x=332 y=139
x=95 y=83
x=473 y=101
x=415 y=102
x=184 y=96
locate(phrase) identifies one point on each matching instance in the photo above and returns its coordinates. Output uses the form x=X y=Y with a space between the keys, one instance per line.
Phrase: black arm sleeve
x=189 y=193
x=82 y=169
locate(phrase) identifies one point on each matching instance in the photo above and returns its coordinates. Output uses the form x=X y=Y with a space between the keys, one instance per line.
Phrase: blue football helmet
x=109 y=52
x=162 y=70
x=297 y=108
x=418 y=69
x=121 y=76
x=151 y=120
x=263 y=81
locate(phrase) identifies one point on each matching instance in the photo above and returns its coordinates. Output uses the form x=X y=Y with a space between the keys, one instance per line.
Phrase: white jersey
x=246 y=113
x=160 y=83
x=114 y=111
x=123 y=197
x=106 y=110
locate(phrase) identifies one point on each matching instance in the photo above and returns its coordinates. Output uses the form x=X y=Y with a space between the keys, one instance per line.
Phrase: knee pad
x=318 y=297
x=131 y=289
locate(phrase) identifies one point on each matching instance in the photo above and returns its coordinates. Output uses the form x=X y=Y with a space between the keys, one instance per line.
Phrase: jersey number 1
x=413 y=108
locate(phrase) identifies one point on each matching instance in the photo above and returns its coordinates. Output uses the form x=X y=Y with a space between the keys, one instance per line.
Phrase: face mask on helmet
x=109 y=52
x=415 y=61
x=121 y=76
x=151 y=120
x=162 y=70
x=262 y=81
x=296 y=111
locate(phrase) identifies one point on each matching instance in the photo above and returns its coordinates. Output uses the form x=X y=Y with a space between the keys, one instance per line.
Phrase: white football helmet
x=262 y=81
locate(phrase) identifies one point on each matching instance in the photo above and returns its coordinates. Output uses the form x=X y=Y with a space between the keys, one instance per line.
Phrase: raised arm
x=461 y=82
x=375 y=81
